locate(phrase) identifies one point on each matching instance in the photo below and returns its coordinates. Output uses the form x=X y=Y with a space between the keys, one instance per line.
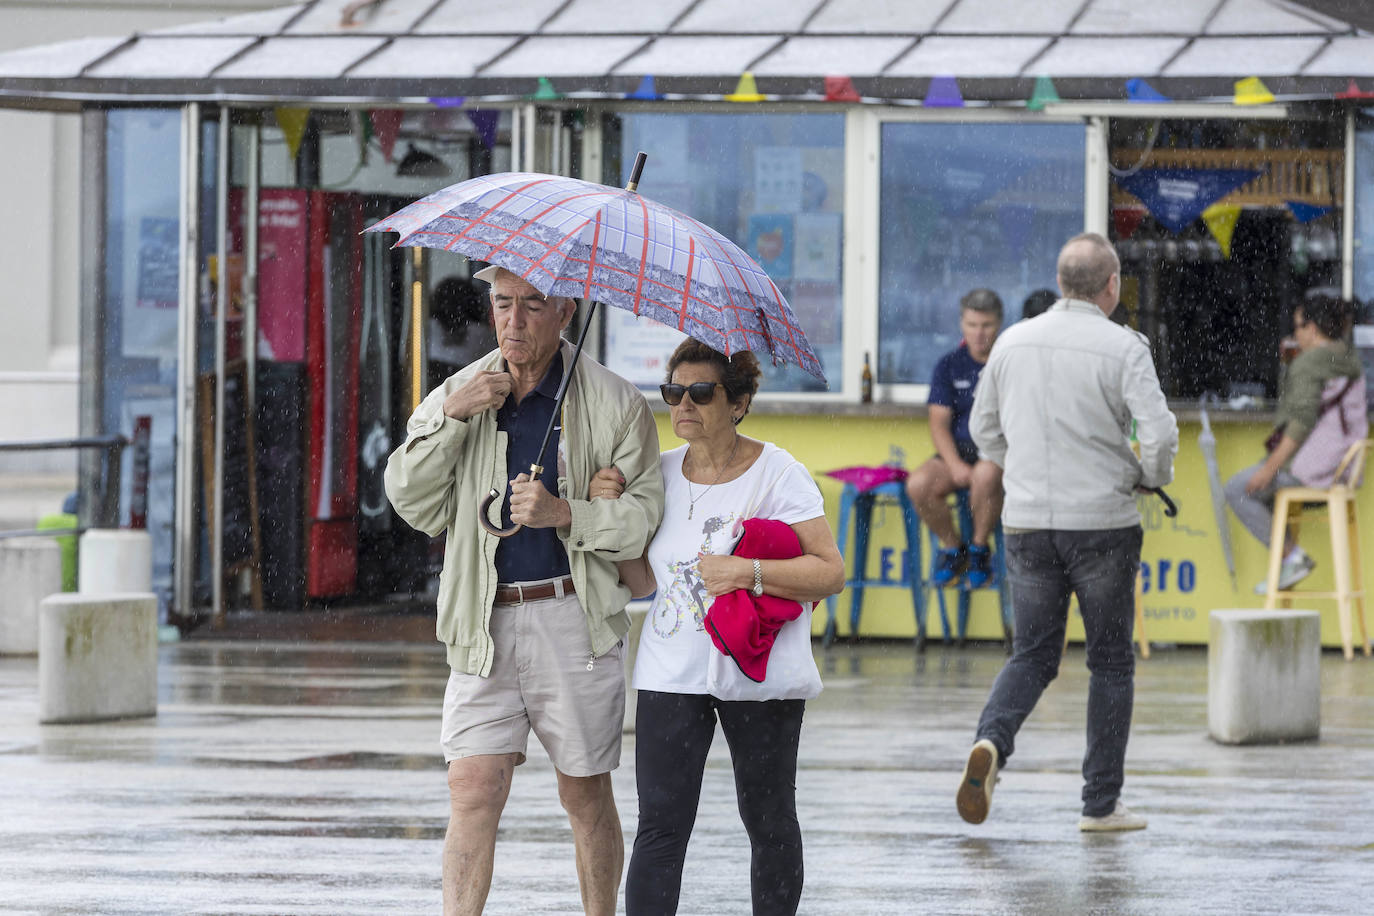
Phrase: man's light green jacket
x=439 y=476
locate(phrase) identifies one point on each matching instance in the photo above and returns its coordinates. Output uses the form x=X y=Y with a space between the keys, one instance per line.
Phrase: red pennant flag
x=840 y=89
x=1125 y=220
x=386 y=125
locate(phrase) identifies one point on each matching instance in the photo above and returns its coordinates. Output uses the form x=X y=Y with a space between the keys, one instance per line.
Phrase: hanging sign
x=1176 y=197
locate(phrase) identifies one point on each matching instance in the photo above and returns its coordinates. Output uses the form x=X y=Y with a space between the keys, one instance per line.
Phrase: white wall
x=39 y=232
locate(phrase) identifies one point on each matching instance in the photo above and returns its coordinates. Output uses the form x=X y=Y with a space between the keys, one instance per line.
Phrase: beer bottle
x=866 y=383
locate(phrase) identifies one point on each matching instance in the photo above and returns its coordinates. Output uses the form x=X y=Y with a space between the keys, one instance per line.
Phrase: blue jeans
x=1044 y=567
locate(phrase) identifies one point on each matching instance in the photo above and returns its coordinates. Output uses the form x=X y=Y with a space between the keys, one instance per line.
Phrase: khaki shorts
x=540 y=680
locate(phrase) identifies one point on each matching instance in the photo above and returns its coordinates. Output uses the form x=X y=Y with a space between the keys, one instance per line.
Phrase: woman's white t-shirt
x=676 y=654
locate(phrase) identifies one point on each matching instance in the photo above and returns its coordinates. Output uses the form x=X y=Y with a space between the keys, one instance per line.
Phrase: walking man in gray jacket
x=1054 y=409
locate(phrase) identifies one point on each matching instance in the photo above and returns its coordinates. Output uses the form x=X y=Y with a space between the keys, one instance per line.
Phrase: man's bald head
x=1087 y=264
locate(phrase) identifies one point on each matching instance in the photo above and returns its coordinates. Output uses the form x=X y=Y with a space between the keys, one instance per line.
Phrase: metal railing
x=104 y=512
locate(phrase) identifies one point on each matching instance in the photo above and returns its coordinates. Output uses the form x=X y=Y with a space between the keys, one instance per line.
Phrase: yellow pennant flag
x=1221 y=222
x=746 y=90
x=1252 y=91
x=292 y=124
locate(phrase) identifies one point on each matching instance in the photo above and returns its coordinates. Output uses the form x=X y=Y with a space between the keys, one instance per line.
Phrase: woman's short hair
x=739 y=372
x=1331 y=314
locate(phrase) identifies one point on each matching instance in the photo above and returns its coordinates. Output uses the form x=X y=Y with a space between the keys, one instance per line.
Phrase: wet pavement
x=293 y=778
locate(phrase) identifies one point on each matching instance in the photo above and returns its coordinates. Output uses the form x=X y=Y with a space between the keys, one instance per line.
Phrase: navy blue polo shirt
x=531 y=553
x=951 y=385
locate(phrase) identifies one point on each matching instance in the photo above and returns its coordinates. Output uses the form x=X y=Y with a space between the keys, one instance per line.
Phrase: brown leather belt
x=519 y=594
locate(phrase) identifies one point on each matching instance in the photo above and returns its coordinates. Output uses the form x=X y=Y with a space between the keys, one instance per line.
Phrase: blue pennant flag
x=1305 y=213
x=1176 y=197
x=1137 y=90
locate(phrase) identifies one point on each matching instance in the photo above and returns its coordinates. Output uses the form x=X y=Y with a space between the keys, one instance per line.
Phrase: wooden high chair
x=1339 y=501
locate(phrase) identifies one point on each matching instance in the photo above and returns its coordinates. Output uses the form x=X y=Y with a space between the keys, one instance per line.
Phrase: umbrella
x=1208 y=443
x=568 y=237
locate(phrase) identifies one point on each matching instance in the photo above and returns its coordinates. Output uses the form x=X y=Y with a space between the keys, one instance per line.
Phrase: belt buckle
x=519 y=594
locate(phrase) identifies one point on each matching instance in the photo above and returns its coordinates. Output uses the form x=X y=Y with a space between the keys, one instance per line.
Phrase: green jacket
x=438 y=478
x=1305 y=382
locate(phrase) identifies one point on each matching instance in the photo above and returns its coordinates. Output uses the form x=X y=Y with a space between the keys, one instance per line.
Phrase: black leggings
x=673 y=732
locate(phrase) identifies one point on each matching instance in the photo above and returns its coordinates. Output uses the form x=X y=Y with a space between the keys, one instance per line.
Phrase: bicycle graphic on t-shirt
x=687 y=594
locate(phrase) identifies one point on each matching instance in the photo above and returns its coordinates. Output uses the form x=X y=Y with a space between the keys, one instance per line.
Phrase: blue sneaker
x=979 y=566
x=950 y=563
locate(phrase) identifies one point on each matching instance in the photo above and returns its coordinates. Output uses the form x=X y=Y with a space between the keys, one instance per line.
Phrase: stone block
x=1264 y=676
x=114 y=561
x=97 y=657
x=30 y=570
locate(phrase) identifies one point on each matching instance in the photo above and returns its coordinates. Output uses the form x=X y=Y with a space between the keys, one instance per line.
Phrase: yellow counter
x=1182 y=563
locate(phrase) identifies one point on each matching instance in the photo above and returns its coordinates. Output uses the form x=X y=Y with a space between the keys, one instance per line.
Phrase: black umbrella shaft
x=641 y=157
x=538 y=466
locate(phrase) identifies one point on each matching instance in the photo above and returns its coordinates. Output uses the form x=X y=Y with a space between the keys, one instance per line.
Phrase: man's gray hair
x=1086 y=265
x=982 y=300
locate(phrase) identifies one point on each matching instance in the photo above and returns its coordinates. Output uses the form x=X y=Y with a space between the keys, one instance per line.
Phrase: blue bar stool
x=860 y=505
x=998 y=581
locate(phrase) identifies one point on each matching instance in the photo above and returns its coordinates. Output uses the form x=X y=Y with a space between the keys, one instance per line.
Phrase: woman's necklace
x=692 y=500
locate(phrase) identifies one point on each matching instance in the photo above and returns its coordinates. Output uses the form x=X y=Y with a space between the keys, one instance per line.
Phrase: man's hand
x=961 y=474
x=607 y=483
x=485 y=391
x=725 y=573
x=535 y=507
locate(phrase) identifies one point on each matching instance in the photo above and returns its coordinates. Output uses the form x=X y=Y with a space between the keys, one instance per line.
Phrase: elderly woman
x=1322 y=411
x=712 y=485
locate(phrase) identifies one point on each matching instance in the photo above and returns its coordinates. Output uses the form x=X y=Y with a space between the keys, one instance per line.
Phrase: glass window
x=141 y=278
x=771 y=183
x=967 y=206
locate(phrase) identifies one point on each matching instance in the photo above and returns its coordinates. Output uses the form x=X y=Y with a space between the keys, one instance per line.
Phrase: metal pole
x=91 y=257
x=184 y=531
x=222 y=299
x=252 y=193
x=1348 y=210
x=516 y=160
x=1096 y=187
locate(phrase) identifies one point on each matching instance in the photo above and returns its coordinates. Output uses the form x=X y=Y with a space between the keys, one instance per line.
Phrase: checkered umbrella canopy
x=568 y=237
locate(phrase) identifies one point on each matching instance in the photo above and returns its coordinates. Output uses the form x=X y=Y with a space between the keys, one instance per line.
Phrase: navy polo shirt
x=531 y=553
x=951 y=385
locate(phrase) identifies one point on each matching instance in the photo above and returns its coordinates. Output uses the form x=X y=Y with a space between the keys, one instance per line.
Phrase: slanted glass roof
x=405 y=51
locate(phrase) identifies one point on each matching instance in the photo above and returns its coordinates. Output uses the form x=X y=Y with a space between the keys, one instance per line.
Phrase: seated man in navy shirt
x=955 y=465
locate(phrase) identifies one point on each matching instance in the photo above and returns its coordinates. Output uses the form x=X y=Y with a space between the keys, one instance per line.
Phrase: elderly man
x=1054 y=408
x=533 y=623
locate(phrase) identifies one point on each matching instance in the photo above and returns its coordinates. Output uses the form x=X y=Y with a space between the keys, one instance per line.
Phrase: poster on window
x=771 y=242
x=777 y=179
x=637 y=349
x=149 y=329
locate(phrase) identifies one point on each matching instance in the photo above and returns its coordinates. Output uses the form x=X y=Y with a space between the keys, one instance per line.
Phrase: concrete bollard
x=30 y=570
x=97 y=657
x=114 y=561
x=1264 y=676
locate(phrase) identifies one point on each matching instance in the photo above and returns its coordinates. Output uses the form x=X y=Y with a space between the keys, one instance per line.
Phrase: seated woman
x=1321 y=412
x=712 y=485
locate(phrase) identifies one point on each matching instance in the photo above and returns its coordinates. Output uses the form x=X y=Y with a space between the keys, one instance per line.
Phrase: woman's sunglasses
x=701 y=392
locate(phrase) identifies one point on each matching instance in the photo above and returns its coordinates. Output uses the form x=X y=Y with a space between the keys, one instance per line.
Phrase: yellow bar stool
x=1339 y=501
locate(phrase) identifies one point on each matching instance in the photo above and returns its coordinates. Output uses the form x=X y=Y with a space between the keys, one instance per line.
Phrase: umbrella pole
x=538 y=467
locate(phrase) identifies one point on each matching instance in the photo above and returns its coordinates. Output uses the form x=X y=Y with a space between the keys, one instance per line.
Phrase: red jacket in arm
x=742 y=626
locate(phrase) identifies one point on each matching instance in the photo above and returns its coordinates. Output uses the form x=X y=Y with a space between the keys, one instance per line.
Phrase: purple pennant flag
x=943 y=92
x=1176 y=197
x=1305 y=213
x=485 y=122
x=447 y=101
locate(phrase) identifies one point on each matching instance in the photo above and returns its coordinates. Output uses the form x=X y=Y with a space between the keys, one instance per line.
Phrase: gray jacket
x=1054 y=407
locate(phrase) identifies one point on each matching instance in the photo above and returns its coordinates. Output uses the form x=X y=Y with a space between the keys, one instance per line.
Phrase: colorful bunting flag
x=841 y=89
x=746 y=90
x=1043 y=94
x=292 y=123
x=485 y=122
x=943 y=92
x=1176 y=197
x=1252 y=91
x=646 y=90
x=1354 y=93
x=1126 y=220
x=546 y=92
x=1305 y=213
x=447 y=101
x=1221 y=222
x=386 y=126
x=1137 y=90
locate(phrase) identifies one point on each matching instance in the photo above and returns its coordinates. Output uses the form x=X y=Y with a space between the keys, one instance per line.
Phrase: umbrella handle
x=1170 y=508
x=485 y=522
